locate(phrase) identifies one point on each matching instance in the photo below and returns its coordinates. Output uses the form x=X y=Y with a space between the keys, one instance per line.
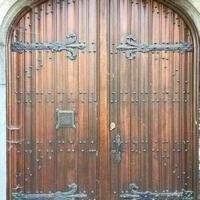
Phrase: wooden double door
x=100 y=102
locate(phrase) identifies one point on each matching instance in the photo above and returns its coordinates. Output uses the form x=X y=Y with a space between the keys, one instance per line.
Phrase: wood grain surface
x=148 y=100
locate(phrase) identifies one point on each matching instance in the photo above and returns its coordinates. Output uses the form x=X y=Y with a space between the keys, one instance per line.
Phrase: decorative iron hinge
x=130 y=47
x=71 y=45
x=117 y=148
x=71 y=194
x=134 y=193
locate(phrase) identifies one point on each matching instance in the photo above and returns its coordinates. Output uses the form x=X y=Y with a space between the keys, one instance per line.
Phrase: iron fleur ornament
x=135 y=193
x=130 y=47
x=117 y=148
x=71 y=45
x=71 y=194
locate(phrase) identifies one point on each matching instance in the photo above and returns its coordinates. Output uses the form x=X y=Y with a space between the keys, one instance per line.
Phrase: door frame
x=14 y=8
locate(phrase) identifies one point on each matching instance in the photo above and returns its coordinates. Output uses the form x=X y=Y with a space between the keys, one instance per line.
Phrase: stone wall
x=8 y=9
x=196 y=4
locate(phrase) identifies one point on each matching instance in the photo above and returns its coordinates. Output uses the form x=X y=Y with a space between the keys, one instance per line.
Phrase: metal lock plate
x=65 y=119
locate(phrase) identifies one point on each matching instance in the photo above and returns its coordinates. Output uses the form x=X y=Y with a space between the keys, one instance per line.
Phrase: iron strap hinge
x=71 y=45
x=135 y=193
x=130 y=47
x=71 y=194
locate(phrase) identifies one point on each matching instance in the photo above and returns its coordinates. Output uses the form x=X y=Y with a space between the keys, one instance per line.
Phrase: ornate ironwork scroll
x=117 y=148
x=135 y=194
x=71 y=45
x=130 y=47
x=71 y=194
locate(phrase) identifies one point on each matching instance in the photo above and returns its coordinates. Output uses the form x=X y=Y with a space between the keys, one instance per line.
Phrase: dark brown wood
x=149 y=101
x=42 y=81
x=105 y=139
x=160 y=83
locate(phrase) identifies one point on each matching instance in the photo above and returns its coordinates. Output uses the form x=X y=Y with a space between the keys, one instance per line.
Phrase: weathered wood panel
x=151 y=100
x=133 y=111
x=43 y=159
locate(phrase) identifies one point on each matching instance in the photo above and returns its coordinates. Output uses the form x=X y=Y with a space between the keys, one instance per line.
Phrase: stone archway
x=9 y=12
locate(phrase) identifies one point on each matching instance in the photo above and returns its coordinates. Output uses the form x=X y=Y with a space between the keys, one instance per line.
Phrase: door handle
x=117 y=148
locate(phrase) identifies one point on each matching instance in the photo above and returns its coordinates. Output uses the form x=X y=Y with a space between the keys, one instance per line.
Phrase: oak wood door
x=54 y=101
x=151 y=101
x=100 y=102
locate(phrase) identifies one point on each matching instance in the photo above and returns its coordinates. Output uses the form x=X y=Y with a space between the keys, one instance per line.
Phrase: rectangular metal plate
x=65 y=119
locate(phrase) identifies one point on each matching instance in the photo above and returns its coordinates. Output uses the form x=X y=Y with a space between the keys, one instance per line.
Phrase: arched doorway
x=100 y=107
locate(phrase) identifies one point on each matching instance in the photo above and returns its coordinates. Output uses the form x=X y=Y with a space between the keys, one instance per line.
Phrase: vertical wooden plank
x=83 y=98
x=20 y=105
x=123 y=90
x=176 y=114
x=150 y=97
x=38 y=16
x=143 y=81
x=139 y=87
x=190 y=136
x=113 y=97
x=135 y=155
x=58 y=88
x=104 y=137
x=167 y=90
x=14 y=137
x=160 y=102
x=15 y=142
x=52 y=141
x=31 y=32
x=28 y=113
x=39 y=97
x=167 y=60
x=21 y=90
x=80 y=91
x=44 y=114
x=74 y=99
x=171 y=62
x=69 y=91
x=92 y=97
x=61 y=93
x=145 y=99
x=155 y=122
x=50 y=112
x=182 y=107
x=140 y=95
